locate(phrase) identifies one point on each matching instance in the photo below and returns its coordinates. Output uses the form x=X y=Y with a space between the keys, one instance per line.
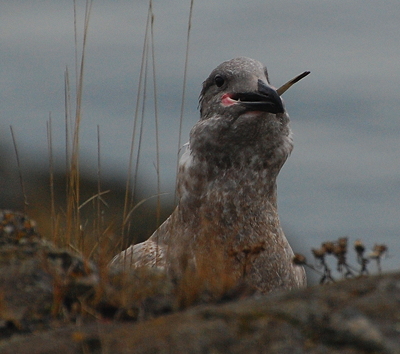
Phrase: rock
x=40 y=283
x=37 y=279
x=353 y=316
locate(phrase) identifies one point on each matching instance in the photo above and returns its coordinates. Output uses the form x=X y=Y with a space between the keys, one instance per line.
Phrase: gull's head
x=236 y=87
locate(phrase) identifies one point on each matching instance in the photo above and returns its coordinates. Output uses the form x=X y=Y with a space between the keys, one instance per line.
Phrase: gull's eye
x=219 y=80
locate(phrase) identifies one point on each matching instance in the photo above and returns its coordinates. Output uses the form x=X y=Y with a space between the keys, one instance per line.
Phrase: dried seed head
x=380 y=249
x=299 y=259
x=342 y=242
x=374 y=255
x=318 y=253
x=328 y=247
x=359 y=247
x=339 y=250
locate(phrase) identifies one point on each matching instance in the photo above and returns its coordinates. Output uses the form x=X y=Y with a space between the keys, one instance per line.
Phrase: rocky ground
x=54 y=301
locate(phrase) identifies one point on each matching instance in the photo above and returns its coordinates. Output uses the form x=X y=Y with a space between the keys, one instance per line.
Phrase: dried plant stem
x=93 y=197
x=73 y=227
x=184 y=87
x=99 y=223
x=139 y=147
x=21 y=181
x=51 y=181
x=128 y=196
x=67 y=115
x=157 y=165
x=158 y=210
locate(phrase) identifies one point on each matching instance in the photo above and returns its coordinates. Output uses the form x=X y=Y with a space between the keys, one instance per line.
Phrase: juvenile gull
x=226 y=217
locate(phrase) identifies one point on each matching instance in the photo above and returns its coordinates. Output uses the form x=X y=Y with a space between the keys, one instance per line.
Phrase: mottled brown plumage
x=226 y=221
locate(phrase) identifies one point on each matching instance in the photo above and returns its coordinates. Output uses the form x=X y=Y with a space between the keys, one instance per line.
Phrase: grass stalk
x=73 y=226
x=51 y=178
x=158 y=210
x=184 y=88
x=128 y=200
x=21 y=180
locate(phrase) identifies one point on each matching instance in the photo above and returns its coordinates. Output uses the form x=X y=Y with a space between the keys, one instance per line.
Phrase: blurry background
x=342 y=178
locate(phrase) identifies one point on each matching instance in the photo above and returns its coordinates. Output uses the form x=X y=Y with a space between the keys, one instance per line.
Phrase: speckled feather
x=227 y=210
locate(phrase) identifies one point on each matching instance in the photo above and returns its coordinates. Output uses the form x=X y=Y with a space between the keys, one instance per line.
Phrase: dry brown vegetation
x=93 y=222
x=339 y=252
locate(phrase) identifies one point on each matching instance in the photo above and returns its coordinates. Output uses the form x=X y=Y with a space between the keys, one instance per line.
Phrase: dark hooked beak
x=265 y=99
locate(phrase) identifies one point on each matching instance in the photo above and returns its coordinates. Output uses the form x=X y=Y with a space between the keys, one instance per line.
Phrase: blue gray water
x=343 y=176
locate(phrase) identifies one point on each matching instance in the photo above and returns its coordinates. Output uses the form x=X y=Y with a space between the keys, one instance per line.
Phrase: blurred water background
x=342 y=178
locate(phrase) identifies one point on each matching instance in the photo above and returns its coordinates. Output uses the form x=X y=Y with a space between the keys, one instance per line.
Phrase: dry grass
x=83 y=225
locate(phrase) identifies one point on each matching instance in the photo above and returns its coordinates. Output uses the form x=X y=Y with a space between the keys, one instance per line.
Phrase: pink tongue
x=226 y=100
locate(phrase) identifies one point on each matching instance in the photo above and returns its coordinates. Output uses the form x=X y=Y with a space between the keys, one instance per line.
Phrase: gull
x=225 y=227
